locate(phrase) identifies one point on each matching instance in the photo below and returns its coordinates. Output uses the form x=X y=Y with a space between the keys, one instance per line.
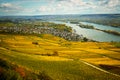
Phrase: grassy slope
x=40 y=57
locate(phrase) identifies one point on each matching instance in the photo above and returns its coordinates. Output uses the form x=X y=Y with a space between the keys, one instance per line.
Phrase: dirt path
x=99 y=68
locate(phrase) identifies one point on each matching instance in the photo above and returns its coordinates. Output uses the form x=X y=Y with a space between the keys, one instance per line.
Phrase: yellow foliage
x=103 y=60
x=92 y=52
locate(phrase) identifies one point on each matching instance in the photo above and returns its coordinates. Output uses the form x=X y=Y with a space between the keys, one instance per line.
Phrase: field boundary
x=98 y=68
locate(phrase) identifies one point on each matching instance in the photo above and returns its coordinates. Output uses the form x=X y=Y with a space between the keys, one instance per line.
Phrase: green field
x=53 y=58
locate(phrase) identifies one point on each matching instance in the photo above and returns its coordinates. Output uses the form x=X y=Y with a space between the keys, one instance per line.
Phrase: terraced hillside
x=52 y=58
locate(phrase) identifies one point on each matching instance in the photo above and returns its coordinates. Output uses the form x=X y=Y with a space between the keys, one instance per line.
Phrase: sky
x=58 y=7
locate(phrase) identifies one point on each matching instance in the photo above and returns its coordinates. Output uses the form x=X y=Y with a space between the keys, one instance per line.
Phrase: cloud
x=60 y=6
x=5 y=5
x=67 y=7
x=8 y=7
x=14 y=9
x=46 y=9
x=113 y=3
x=109 y=3
x=108 y=6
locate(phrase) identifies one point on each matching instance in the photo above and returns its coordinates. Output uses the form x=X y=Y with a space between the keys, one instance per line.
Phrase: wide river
x=94 y=34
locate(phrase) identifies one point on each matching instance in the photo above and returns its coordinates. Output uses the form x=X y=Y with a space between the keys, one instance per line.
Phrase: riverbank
x=109 y=31
x=92 y=34
x=92 y=27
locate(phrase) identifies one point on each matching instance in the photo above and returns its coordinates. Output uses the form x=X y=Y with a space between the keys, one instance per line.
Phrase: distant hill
x=105 y=19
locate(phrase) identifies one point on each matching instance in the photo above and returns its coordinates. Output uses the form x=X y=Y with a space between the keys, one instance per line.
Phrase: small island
x=74 y=22
x=92 y=27
x=109 y=31
x=86 y=26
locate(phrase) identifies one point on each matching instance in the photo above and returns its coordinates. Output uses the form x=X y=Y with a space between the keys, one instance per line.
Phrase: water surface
x=93 y=34
x=102 y=27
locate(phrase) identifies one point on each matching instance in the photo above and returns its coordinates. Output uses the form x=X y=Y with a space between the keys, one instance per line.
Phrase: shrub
x=85 y=39
x=117 y=45
x=4 y=64
x=21 y=71
x=55 y=53
x=36 y=43
x=9 y=75
x=9 y=71
x=43 y=76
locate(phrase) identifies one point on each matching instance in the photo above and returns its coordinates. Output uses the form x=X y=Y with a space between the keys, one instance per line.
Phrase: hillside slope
x=60 y=59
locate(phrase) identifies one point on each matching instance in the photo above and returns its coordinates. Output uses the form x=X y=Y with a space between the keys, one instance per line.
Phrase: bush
x=43 y=76
x=13 y=72
x=6 y=72
x=116 y=44
x=9 y=75
x=36 y=43
x=85 y=39
x=4 y=64
x=55 y=53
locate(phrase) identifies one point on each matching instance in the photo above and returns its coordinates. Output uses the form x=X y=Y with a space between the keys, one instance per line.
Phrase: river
x=94 y=34
x=102 y=27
